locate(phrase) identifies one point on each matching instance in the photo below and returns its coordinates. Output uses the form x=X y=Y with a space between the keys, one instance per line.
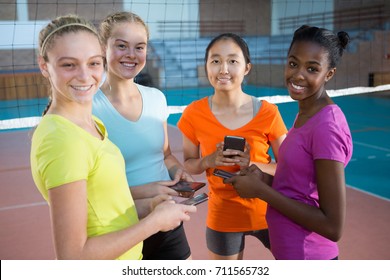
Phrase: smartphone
x=196 y=199
x=223 y=174
x=234 y=143
x=187 y=189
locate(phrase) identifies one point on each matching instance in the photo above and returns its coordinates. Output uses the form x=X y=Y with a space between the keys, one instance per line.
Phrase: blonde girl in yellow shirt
x=75 y=166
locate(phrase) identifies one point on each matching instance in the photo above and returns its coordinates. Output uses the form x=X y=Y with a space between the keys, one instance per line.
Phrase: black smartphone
x=187 y=189
x=223 y=174
x=196 y=199
x=234 y=143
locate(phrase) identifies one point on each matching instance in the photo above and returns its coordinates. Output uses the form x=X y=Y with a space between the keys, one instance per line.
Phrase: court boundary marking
x=369 y=193
x=20 y=206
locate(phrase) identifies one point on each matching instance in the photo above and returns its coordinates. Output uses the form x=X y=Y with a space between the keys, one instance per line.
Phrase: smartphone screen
x=196 y=199
x=187 y=189
x=234 y=143
x=183 y=186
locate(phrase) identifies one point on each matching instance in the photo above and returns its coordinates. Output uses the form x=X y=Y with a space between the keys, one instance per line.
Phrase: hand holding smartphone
x=223 y=174
x=187 y=189
x=234 y=143
x=196 y=199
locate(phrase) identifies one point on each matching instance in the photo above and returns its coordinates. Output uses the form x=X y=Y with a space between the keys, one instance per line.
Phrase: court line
x=20 y=206
x=14 y=169
x=371 y=146
x=369 y=193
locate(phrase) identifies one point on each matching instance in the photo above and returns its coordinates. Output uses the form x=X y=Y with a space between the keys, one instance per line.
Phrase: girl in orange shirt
x=205 y=123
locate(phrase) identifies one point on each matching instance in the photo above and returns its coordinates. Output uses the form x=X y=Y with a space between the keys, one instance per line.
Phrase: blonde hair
x=59 y=26
x=118 y=17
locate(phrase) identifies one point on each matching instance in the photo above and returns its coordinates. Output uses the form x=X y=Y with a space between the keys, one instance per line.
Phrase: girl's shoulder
x=268 y=105
x=152 y=94
x=55 y=131
x=148 y=90
x=329 y=121
x=52 y=123
x=196 y=108
x=199 y=103
x=330 y=113
x=267 y=108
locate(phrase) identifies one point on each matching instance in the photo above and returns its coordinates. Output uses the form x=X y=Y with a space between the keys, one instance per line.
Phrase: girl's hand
x=222 y=158
x=249 y=183
x=170 y=215
x=236 y=157
x=242 y=159
x=151 y=190
x=157 y=200
x=182 y=175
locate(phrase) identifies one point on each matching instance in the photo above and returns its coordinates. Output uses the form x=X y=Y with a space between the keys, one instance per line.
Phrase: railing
x=23 y=86
x=362 y=17
x=205 y=28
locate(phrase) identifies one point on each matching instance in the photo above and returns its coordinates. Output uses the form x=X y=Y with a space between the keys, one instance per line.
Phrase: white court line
x=14 y=207
x=371 y=146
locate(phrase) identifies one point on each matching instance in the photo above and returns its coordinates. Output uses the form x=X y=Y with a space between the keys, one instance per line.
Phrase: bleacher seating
x=179 y=59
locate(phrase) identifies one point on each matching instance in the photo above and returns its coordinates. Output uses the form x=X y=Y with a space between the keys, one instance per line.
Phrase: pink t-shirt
x=325 y=136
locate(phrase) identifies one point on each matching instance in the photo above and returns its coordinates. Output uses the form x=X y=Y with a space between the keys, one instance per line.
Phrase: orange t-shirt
x=227 y=211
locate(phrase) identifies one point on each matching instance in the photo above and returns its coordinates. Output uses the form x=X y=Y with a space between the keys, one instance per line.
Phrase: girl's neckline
x=95 y=123
x=257 y=106
x=308 y=119
x=124 y=118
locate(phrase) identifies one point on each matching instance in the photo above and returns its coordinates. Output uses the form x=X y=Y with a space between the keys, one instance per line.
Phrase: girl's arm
x=270 y=168
x=326 y=220
x=68 y=206
x=175 y=168
x=192 y=160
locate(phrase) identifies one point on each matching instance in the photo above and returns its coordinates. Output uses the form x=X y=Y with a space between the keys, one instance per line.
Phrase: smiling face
x=126 y=50
x=307 y=70
x=74 y=67
x=226 y=66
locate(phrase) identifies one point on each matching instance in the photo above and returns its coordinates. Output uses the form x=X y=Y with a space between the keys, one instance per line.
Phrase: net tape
x=276 y=99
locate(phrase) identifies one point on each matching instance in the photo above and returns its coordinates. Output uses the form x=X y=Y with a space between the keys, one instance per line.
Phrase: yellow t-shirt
x=227 y=211
x=62 y=153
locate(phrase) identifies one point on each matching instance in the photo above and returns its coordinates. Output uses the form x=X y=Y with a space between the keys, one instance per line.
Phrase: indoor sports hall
x=179 y=34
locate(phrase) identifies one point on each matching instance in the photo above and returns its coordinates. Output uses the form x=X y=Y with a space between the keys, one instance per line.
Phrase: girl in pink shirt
x=306 y=203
